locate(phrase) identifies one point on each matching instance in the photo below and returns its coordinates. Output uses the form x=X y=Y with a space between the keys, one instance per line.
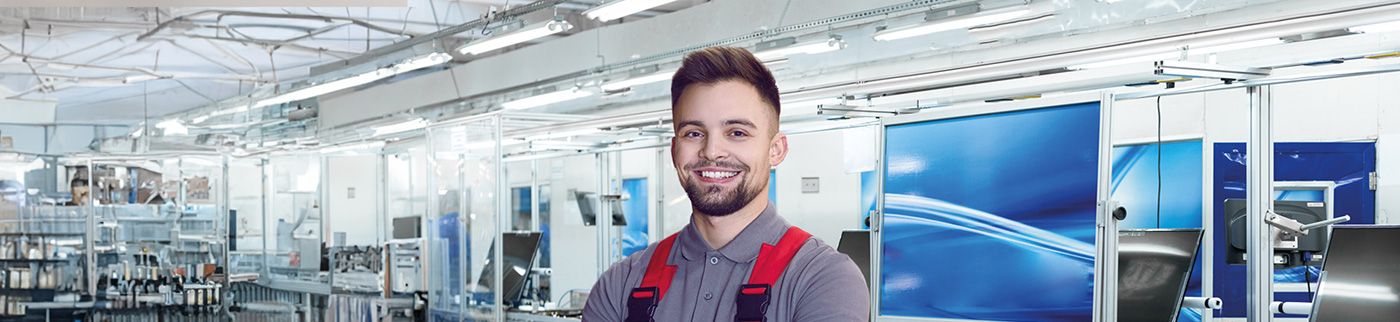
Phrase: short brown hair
x=716 y=64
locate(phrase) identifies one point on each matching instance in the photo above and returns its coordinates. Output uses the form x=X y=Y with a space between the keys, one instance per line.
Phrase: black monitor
x=856 y=244
x=520 y=249
x=1305 y=212
x=408 y=227
x=1154 y=266
x=586 y=208
x=1360 y=276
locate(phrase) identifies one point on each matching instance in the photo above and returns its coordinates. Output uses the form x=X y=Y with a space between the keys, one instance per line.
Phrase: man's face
x=725 y=143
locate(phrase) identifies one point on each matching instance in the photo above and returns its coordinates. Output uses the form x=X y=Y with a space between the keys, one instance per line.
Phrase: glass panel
x=295 y=219
x=572 y=233
x=463 y=227
x=246 y=217
x=406 y=194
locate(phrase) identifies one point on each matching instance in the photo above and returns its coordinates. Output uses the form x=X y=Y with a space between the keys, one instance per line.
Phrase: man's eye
x=739 y=133
x=692 y=134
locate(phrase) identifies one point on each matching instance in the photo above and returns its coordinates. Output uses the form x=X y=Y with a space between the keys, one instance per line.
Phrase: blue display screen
x=1135 y=186
x=992 y=217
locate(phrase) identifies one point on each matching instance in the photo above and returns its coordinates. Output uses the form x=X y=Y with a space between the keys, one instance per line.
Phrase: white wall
x=357 y=216
x=836 y=205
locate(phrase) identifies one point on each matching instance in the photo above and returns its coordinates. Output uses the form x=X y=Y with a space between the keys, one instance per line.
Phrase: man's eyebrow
x=691 y=122
x=740 y=122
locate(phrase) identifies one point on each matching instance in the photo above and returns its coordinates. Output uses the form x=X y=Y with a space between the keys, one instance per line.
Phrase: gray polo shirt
x=819 y=284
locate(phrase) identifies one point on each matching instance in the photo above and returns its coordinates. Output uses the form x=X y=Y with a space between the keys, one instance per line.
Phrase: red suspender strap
x=752 y=301
x=772 y=260
x=659 y=275
x=642 y=301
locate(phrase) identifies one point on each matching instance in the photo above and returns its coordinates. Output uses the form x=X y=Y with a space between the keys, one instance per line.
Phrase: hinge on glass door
x=1375 y=181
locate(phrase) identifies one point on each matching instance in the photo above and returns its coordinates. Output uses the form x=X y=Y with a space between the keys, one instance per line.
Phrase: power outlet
x=811 y=185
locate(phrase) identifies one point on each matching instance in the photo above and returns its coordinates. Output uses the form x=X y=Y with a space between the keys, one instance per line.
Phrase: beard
x=715 y=200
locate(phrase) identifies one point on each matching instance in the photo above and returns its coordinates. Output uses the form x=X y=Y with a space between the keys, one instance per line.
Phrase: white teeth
x=718 y=174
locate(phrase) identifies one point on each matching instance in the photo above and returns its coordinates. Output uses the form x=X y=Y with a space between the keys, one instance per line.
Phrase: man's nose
x=713 y=149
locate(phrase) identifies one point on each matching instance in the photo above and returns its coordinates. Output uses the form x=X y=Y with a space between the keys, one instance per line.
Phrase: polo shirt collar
x=767 y=228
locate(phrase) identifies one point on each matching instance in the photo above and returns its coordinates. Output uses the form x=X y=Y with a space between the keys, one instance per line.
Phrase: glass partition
x=247 y=188
x=463 y=226
x=294 y=219
x=406 y=199
x=355 y=222
x=158 y=225
x=569 y=191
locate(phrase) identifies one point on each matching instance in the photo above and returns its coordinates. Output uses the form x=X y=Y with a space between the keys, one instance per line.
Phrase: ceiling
x=119 y=65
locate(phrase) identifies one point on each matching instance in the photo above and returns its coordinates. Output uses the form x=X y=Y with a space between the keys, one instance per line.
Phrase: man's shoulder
x=637 y=261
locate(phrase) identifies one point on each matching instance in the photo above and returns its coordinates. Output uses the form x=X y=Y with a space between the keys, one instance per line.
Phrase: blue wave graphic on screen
x=1054 y=267
x=991 y=217
x=938 y=213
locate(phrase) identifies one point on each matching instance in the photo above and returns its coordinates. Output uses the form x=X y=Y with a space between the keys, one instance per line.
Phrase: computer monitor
x=408 y=227
x=856 y=244
x=1154 y=266
x=1360 y=276
x=1305 y=212
x=586 y=208
x=520 y=248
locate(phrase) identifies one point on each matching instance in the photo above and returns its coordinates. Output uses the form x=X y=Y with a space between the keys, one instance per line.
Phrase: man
x=737 y=260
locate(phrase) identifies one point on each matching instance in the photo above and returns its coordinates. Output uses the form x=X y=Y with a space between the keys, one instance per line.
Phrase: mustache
x=718 y=164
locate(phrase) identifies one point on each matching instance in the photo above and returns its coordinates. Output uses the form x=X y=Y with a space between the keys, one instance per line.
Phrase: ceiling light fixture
x=173 y=127
x=527 y=33
x=411 y=64
x=371 y=145
x=546 y=99
x=637 y=80
x=1376 y=28
x=622 y=8
x=956 y=18
x=1198 y=49
x=782 y=48
x=410 y=125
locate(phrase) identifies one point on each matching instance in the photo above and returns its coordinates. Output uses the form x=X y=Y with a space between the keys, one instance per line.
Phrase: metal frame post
x=1260 y=180
x=1106 y=279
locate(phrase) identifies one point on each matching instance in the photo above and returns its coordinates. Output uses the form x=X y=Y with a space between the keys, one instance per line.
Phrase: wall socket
x=811 y=184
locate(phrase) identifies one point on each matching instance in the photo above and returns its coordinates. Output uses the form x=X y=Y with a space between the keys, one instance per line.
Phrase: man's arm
x=605 y=299
x=835 y=291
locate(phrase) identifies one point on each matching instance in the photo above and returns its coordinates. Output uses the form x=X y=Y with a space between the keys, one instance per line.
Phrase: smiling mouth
x=718 y=175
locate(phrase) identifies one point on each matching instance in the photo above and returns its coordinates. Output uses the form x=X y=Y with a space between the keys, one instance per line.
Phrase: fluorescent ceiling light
x=546 y=99
x=1198 y=49
x=809 y=48
x=173 y=127
x=411 y=64
x=415 y=124
x=372 y=145
x=951 y=23
x=1376 y=28
x=639 y=80
x=1129 y=60
x=1211 y=48
x=622 y=8
x=527 y=33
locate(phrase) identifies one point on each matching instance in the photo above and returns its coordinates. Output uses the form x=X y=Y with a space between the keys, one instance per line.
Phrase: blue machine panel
x=1347 y=164
x=992 y=217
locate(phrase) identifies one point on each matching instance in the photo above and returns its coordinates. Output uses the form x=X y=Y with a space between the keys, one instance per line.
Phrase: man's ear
x=778 y=150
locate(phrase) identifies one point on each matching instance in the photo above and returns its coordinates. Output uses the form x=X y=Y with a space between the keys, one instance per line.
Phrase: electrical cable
x=1159 y=162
